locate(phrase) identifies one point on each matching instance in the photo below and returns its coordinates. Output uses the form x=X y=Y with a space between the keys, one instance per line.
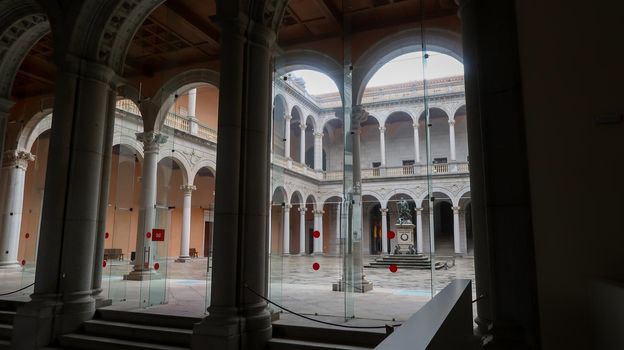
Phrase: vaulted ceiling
x=181 y=33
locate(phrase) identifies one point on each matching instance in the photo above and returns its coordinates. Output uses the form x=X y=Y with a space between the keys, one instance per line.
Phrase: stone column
x=416 y=144
x=318 y=151
x=318 y=226
x=238 y=318
x=337 y=241
x=286 y=228
x=192 y=104
x=269 y=228
x=288 y=118
x=98 y=257
x=5 y=108
x=185 y=237
x=384 y=230
x=419 y=230
x=456 y=241
x=382 y=145
x=302 y=126
x=62 y=299
x=13 y=178
x=302 y=233
x=147 y=204
x=452 y=138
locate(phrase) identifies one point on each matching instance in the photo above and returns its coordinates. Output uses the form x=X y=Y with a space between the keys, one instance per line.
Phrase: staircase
x=111 y=329
x=287 y=337
x=7 y=314
x=412 y=261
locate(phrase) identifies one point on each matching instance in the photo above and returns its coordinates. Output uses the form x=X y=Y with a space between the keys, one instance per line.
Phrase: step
x=329 y=335
x=84 y=341
x=291 y=344
x=138 y=332
x=181 y=322
x=6 y=317
x=6 y=330
x=5 y=344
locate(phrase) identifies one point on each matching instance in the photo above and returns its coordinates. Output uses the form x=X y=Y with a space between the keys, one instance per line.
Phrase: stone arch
x=281 y=191
x=203 y=163
x=37 y=125
x=394 y=113
x=311 y=119
x=130 y=141
x=383 y=201
x=279 y=98
x=23 y=24
x=180 y=161
x=313 y=60
x=296 y=196
x=165 y=97
x=401 y=191
x=392 y=46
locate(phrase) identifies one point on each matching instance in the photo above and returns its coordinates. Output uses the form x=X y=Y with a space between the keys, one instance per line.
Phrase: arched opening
x=279 y=125
x=400 y=140
x=461 y=135
x=443 y=227
x=279 y=200
x=370 y=151
x=202 y=225
x=372 y=225
x=331 y=225
x=296 y=230
x=393 y=217
x=333 y=145
x=438 y=136
x=296 y=134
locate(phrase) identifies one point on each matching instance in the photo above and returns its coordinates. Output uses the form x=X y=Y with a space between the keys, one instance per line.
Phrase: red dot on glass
x=156 y=266
x=316 y=234
x=316 y=266
x=23 y=262
x=27 y=235
x=391 y=234
x=393 y=268
x=106 y=235
x=104 y=263
x=148 y=235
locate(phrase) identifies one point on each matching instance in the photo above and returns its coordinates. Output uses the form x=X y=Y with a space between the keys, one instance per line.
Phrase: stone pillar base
x=230 y=332
x=38 y=323
x=362 y=287
x=183 y=259
x=142 y=275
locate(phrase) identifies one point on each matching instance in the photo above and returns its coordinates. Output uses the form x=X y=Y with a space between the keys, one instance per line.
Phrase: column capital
x=288 y=117
x=382 y=129
x=287 y=206
x=302 y=126
x=318 y=212
x=188 y=189
x=415 y=125
x=17 y=159
x=302 y=210
x=418 y=211
x=151 y=140
x=358 y=116
x=456 y=209
x=384 y=211
x=451 y=122
x=318 y=134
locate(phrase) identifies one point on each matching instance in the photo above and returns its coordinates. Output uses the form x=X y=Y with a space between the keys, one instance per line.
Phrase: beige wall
x=572 y=70
x=207 y=106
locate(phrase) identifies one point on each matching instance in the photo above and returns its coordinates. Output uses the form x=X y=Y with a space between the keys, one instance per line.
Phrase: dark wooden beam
x=194 y=20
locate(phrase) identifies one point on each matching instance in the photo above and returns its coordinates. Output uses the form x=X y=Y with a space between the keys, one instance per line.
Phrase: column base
x=183 y=259
x=361 y=287
x=142 y=275
x=233 y=329
x=10 y=266
x=39 y=322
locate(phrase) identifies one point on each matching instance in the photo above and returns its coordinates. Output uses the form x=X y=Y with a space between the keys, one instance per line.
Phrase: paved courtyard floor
x=294 y=284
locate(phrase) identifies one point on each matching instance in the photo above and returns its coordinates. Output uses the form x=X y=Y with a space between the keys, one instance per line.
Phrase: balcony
x=189 y=126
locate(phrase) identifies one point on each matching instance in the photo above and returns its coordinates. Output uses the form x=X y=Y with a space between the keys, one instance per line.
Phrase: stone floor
x=294 y=285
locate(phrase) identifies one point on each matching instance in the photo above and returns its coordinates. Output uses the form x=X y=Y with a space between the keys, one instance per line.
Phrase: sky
x=402 y=69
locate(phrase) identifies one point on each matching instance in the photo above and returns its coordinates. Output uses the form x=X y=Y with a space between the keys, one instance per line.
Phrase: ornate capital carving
x=17 y=159
x=451 y=122
x=384 y=211
x=288 y=117
x=358 y=116
x=188 y=189
x=287 y=206
x=418 y=211
x=455 y=210
x=318 y=212
x=302 y=210
x=151 y=140
x=302 y=126
x=382 y=129
x=318 y=134
x=415 y=125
